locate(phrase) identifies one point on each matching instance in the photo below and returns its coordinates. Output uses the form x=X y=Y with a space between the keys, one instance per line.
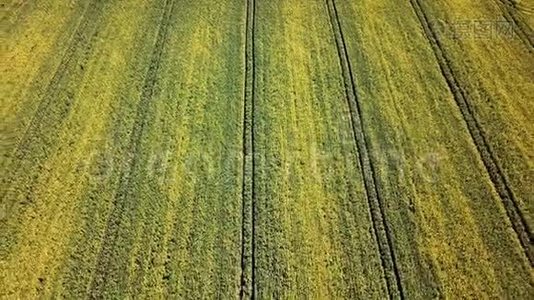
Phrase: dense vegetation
x=267 y=149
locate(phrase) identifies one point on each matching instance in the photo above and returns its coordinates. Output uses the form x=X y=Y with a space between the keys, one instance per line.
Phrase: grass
x=314 y=234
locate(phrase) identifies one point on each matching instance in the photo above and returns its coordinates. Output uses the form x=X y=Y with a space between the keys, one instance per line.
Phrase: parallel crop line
x=488 y=158
x=376 y=205
x=60 y=70
x=523 y=31
x=132 y=159
x=248 y=230
x=91 y=12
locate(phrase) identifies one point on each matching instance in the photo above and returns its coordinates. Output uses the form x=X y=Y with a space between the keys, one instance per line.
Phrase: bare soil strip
x=248 y=197
x=488 y=158
x=132 y=160
x=380 y=224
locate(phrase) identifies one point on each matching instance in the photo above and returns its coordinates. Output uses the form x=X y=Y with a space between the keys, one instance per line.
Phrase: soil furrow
x=380 y=224
x=247 y=255
x=253 y=149
x=132 y=157
x=248 y=218
x=488 y=158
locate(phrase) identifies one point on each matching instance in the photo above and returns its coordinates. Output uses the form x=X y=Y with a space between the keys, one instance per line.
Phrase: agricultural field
x=254 y=149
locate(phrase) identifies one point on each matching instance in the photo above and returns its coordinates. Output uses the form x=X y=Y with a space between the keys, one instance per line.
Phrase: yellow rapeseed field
x=267 y=149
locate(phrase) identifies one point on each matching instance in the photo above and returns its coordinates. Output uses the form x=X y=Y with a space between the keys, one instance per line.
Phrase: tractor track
x=51 y=86
x=132 y=160
x=80 y=39
x=248 y=230
x=523 y=31
x=381 y=227
x=495 y=172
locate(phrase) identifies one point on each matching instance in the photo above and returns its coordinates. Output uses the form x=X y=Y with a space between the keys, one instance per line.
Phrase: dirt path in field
x=380 y=224
x=488 y=158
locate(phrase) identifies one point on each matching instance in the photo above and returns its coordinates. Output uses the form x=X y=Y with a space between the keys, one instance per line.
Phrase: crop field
x=267 y=149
